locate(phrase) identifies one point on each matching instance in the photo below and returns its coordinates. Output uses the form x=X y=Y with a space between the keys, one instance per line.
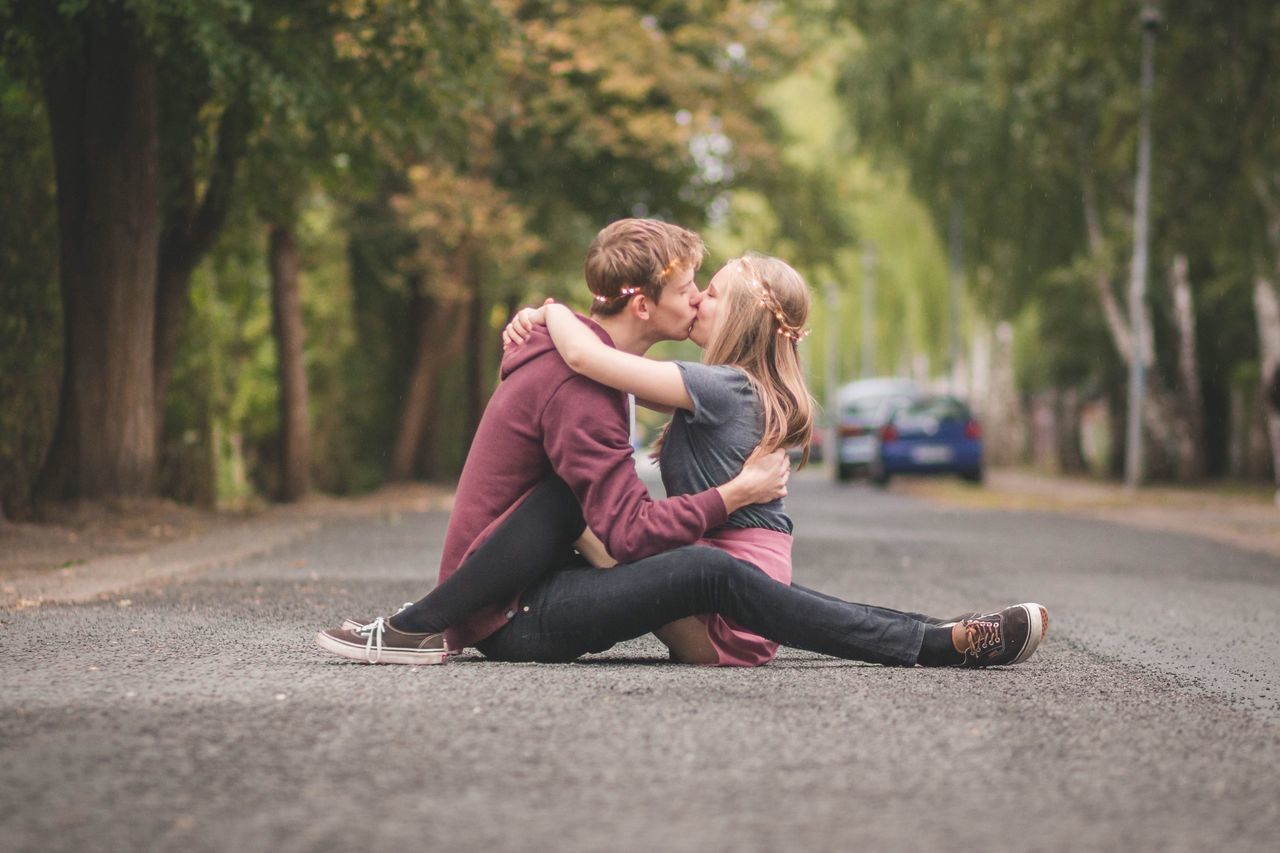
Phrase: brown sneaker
x=942 y=623
x=378 y=642
x=1005 y=638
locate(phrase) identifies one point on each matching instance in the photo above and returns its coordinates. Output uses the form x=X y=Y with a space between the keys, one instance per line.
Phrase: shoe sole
x=361 y=654
x=1037 y=628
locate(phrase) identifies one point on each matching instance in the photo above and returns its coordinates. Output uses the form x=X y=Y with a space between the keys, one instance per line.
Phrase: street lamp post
x=1133 y=468
x=954 y=262
x=868 y=310
x=832 y=385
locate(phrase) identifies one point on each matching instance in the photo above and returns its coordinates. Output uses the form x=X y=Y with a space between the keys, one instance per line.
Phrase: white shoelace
x=373 y=639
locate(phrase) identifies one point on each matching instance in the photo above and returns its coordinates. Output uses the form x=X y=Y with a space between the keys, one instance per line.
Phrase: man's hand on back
x=763 y=479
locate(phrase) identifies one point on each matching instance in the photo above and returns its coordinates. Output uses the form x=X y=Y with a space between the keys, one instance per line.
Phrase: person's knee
x=721 y=568
x=568 y=514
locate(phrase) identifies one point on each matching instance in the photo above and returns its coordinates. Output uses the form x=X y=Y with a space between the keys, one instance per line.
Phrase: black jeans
x=568 y=610
x=571 y=611
x=534 y=539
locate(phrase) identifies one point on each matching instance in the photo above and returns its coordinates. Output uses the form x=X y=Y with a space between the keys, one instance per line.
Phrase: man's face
x=675 y=313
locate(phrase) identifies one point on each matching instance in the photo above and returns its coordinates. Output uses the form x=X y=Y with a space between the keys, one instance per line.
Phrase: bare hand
x=594 y=551
x=522 y=324
x=764 y=476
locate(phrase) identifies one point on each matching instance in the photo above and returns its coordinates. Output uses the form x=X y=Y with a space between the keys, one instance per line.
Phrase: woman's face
x=704 y=328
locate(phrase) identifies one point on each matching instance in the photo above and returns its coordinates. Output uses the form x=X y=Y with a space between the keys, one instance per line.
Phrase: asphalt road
x=198 y=715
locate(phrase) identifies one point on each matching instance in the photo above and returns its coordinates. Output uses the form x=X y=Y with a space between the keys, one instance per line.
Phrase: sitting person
x=750 y=390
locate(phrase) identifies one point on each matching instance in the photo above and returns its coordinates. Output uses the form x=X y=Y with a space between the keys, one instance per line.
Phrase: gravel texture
x=197 y=714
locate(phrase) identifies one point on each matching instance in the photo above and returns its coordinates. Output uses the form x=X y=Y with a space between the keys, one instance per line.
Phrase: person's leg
x=534 y=539
x=576 y=611
x=923 y=617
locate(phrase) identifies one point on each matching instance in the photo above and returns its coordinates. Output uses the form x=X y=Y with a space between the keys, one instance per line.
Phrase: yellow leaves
x=450 y=212
x=626 y=83
x=345 y=46
x=595 y=102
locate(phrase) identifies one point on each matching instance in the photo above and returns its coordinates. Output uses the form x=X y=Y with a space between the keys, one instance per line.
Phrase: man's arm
x=585 y=434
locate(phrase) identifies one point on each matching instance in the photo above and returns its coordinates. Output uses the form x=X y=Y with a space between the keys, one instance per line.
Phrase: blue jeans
x=574 y=611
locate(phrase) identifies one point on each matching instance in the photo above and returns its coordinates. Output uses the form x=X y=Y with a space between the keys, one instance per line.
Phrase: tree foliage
x=1026 y=114
x=408 y=129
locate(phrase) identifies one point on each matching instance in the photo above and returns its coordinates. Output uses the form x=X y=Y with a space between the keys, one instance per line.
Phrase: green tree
x=1025 y=116
x=152 y=106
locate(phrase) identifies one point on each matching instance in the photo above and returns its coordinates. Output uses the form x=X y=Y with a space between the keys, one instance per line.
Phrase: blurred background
x=254 y=249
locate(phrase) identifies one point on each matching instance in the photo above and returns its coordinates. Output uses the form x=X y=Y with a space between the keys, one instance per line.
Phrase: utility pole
x=867 y=368
x=831 y=331
x=953 y=294
x=1133 y=467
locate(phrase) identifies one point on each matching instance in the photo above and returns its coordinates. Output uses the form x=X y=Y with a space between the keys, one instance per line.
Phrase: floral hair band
x=769 y=302
x=626 y=291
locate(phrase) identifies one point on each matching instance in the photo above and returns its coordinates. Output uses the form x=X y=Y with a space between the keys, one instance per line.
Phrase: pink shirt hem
x=767 y=550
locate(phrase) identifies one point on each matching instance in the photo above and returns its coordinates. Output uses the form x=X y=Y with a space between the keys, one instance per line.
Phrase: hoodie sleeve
x=584 y=428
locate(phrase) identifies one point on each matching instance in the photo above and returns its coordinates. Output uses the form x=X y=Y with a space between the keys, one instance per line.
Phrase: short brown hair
x=636 y=256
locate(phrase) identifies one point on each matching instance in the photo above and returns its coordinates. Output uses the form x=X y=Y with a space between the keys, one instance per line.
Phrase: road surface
x=196 y=714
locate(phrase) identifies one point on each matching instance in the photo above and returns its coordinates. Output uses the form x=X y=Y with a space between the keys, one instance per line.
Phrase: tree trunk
x=1044 y=431
x=1267 y=310
x=286 y=313
x=1258 y=461
x=1117 y=415
x=476 y=351
x=101 y=100
x=1191 y=434
x=191 y=228
x=1160 y=414
x=1070 y=446
x=1237 y=434
x=439 y=332
x=1005 y=426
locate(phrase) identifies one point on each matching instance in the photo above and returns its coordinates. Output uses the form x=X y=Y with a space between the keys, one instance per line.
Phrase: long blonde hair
x=761 y=323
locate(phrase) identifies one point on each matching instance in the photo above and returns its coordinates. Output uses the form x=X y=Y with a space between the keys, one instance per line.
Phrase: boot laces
x=982 y=634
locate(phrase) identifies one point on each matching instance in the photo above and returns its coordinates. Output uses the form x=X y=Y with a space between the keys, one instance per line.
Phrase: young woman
x=714 y=603
x=749 y=390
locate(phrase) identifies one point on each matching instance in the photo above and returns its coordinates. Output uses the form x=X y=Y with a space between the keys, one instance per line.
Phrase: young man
x=545 y=419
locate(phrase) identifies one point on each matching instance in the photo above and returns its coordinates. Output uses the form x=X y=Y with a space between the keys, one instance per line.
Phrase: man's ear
x=641 y=307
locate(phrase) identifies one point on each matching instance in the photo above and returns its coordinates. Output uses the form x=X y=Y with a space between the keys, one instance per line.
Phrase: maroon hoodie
x=545 y=418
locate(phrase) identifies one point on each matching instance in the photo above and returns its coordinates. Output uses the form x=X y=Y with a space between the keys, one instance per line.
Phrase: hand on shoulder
x=523 y=323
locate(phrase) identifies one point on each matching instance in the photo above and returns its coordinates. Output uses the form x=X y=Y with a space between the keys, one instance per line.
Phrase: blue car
x=864 y=407
x=929 y=435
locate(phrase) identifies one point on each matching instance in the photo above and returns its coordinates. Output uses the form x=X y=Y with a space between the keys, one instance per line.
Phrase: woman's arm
x=654 y=407
x=656 y=382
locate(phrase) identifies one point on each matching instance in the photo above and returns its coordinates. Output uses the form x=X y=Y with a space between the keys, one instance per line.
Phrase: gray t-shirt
x=706 y=447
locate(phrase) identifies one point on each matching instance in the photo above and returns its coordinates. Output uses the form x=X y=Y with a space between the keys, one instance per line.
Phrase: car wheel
x=974 y=476
x=844 y=472
x=878 y=475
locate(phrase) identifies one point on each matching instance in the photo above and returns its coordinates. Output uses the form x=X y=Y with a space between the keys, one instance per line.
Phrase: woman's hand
x=763 y=479
x=593 y=550
x=521 y=325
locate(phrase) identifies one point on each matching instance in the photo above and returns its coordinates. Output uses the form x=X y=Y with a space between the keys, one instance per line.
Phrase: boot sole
x=361 y=654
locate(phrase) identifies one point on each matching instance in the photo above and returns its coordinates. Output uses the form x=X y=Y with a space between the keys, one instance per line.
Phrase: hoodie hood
x=539 y=345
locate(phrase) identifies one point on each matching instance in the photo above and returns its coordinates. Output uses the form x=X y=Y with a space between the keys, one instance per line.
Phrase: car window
x=865 y=408
x=876 y=408
x=935 y=408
